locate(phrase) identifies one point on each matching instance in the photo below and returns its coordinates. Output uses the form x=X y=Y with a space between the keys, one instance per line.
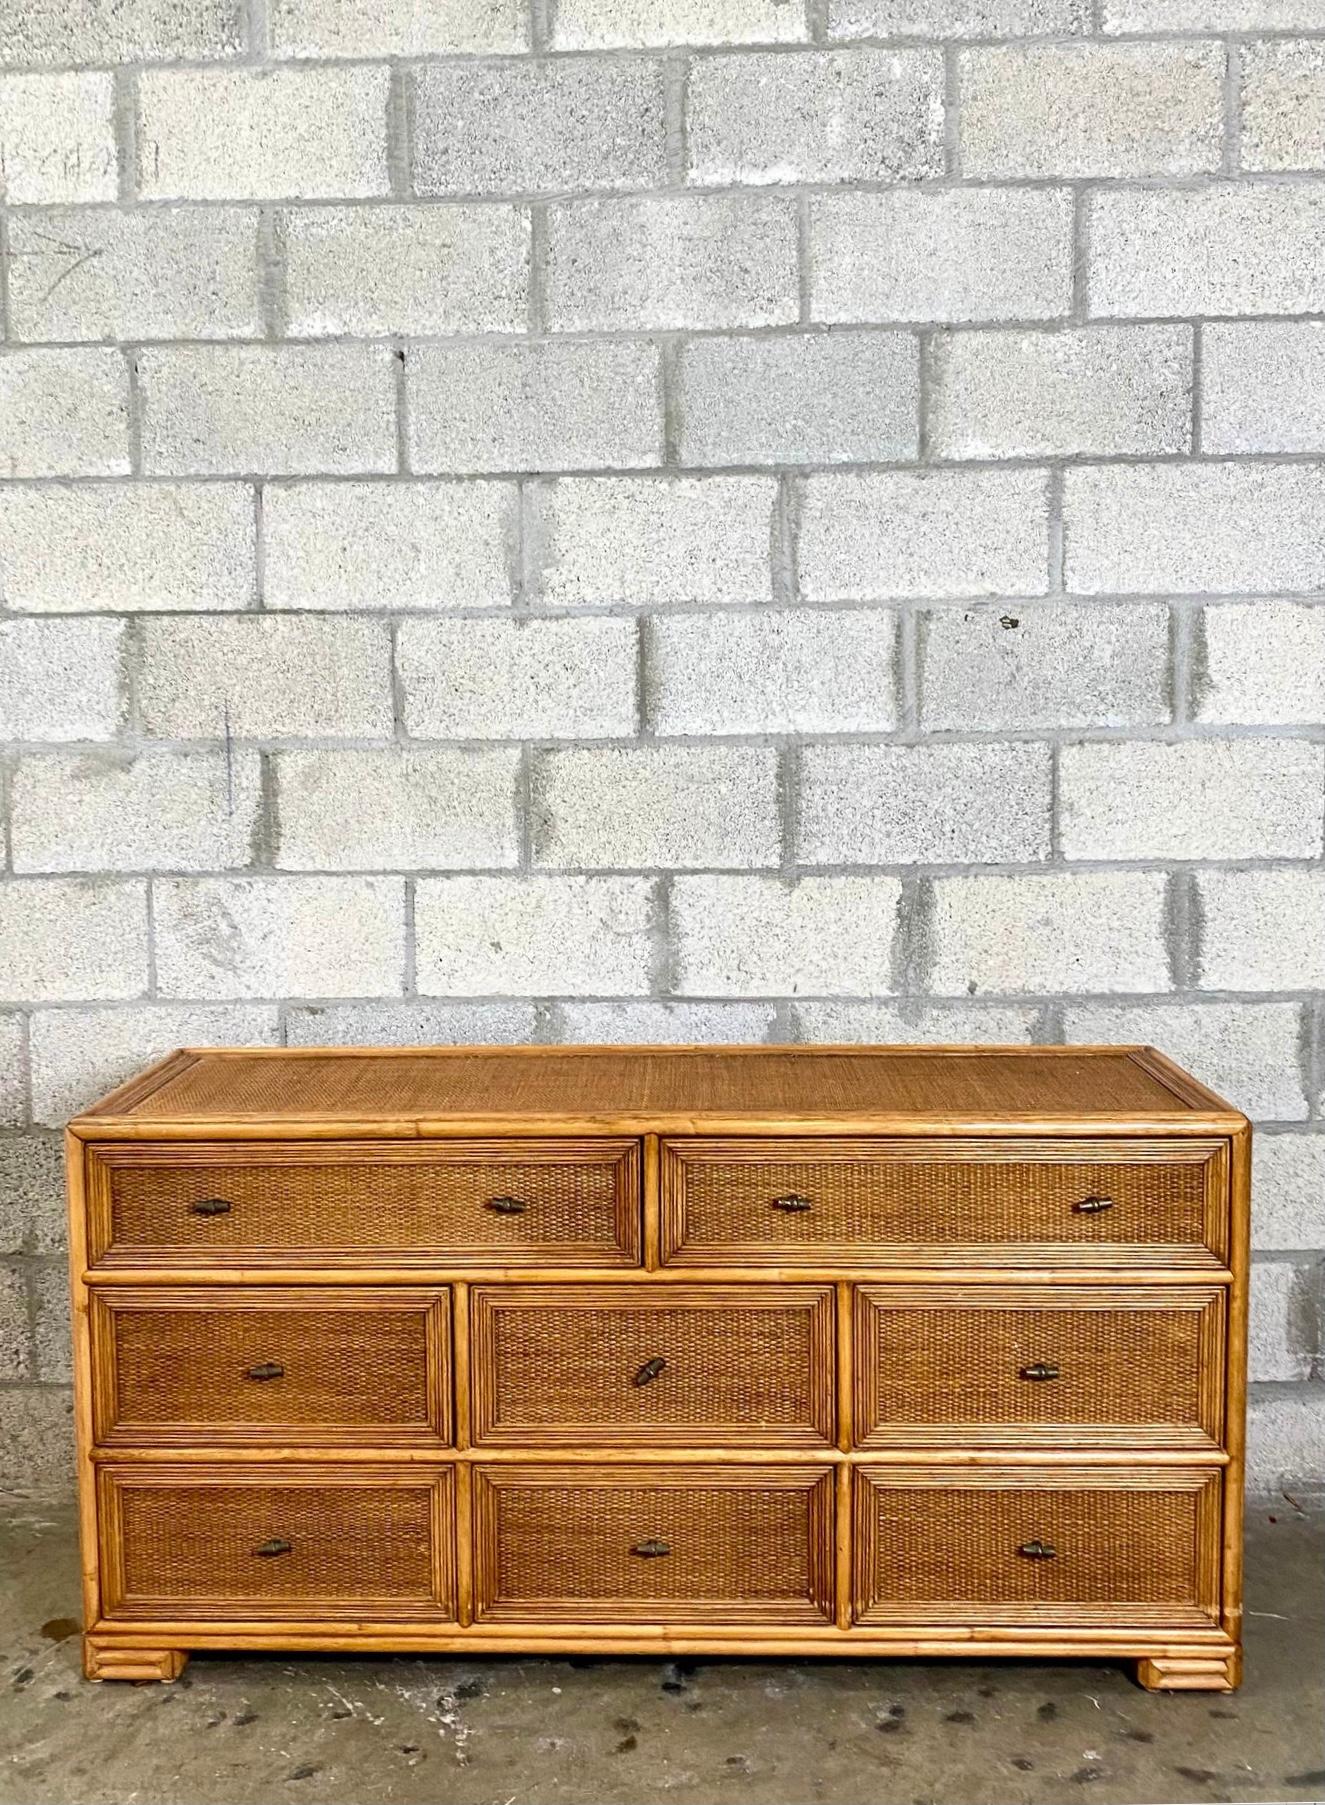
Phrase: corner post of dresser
x=84 y=1433
x=107 y=1660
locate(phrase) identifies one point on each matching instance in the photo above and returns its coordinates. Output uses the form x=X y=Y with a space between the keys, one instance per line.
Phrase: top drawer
x=945 y=1202
x=419 y=1204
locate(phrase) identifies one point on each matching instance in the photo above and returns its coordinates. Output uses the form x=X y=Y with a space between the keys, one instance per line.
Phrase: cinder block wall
x=663 y=519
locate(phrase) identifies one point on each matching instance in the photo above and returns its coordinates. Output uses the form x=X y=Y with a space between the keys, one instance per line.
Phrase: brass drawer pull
x=1038 y=1551
x=1091 y=1206
x=1042 y=1369
x=506 y=1206
x=211 y=1206
x=793 y=1203
x=269 y=1369
x=651 y=1549
x=650 y=1370
x=277 y=1545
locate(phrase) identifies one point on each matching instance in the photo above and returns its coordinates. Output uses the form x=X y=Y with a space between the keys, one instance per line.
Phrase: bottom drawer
x=277 y=1542
x=658 y=1544
x=1053 y=1545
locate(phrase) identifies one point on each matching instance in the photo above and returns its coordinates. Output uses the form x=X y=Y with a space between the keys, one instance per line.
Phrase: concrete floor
x=329 y=1731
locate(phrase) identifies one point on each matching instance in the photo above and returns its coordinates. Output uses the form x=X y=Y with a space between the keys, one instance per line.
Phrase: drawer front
x=1039 y=1366
x=944 y=1202
x=631 y=1544
x=1054 y=1545
x=296 y=1367
x=277 y=1543
x=686 y=1365
x=479 y=1203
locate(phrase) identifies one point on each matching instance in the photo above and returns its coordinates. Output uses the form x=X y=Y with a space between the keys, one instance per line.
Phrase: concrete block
x=650 y=542
x=1185 y=529
x=57 y=139
x=32 y=1201
x=912 y=1020
x=1262 y=930
x=835 y=398
x=877 y=535
x=943 y=254
x=374 y=28
x=1288 y=1191
x=389 y=546
x=667 y=1024
x=760 y=936
x=783 y=671
x=537 y=679
x=1044 y=664
x=1091 y=109
x=64 y=413
x=157 y=272
x=644 y=806
x=281 y=677
x=1261 y=662
x=531 y=936
x=821 y=116
x=37 y=33
x=61 y=679
x=1196 y=799
x=691 y=260
x=277 y=937
x=126 y=811
x=139 y=547
x=534 y=407
x=276 y=410
x=80 y=1054
x=1106 y=390
x=1250 y=1053
x=411 y=1024
x=377 y=271
x=955 y=18
x=263 y=134
x=539 y=127
x=397 y=809
x=1283 y=105
x=1078 y=931
x=1263 y=387
x=72 y=939
x=1224 y=248
x=984 y=804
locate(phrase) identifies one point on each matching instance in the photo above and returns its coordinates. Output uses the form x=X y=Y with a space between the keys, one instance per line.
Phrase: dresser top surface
x=510 y=1090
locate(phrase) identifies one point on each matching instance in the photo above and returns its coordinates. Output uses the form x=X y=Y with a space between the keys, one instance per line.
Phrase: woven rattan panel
x=950 y=1550
x=739 y=1364
x=271 y=1370
x=191 y=1549
x=1015 y=1368
x=431 y=1208
x=561 y=1543
x=875 y=1205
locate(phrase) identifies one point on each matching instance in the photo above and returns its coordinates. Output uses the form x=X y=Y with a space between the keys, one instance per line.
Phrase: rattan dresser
x=871 y=1351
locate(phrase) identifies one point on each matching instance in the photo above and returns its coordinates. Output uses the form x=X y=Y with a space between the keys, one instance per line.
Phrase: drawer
x=1039 y=1365
x=637 y=1544
x=949 y=1202
x=310 y=1204
x=1087 y=1546
x=278 y=1543
x=689 y=1365
x=293 y=1367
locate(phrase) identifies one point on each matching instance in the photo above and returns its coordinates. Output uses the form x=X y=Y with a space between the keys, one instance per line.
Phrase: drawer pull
x=651 y=1549
x=269 y=1369
x=1042 y=1369
x=1091 y=1206
x=277 y=1545
x=506 y=1206
x=1037 y=1551
x=211 y=1206
x=793 y=1203
x=650 y=1370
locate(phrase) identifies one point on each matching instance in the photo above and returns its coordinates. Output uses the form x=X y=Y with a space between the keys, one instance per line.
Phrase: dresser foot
x=113 y=1661
x=1192 y=1673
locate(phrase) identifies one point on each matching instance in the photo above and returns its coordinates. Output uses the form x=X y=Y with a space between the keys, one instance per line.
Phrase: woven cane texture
x=741 y=1365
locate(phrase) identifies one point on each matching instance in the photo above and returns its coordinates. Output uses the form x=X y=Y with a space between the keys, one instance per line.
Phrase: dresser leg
x=1192 y=1673
x=113 y=1661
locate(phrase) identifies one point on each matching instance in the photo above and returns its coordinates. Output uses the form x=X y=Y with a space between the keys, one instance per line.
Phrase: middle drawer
x=682 y=1365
